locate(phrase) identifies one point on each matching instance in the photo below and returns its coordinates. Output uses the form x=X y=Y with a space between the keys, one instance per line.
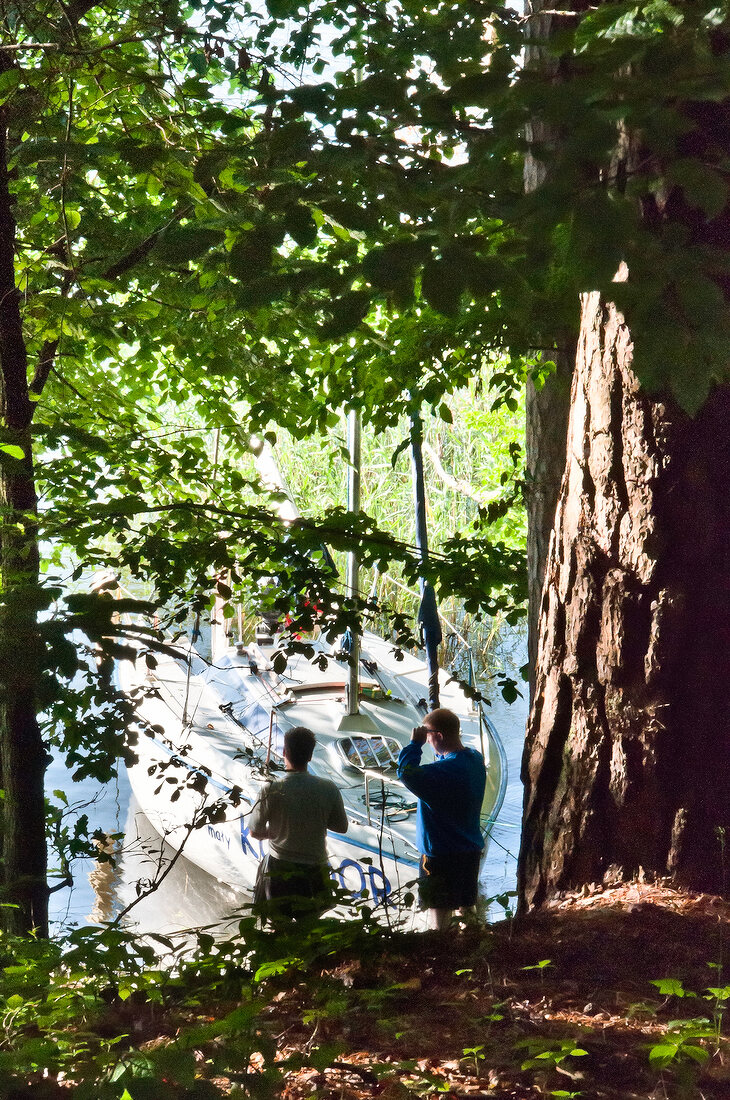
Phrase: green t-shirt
x=294 y=813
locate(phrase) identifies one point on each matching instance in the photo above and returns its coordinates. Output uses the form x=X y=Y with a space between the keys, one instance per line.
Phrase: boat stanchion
x=271 y=734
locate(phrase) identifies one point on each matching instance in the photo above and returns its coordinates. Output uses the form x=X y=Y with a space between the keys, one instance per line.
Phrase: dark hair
x=445 y=722
x=299 y=745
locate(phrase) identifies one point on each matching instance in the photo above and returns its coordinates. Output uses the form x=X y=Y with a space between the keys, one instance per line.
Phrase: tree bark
x=546 y=425
x=22 y=754
x=546 y=408
x=627 y=762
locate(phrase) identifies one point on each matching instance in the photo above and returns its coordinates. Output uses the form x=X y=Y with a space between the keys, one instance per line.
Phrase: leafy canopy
x=236 y=216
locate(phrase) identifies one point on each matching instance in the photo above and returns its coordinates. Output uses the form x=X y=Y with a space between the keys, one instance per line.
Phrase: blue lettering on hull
x=249 y=846
x=371 y=879
x=350 y=875
x=220 y=836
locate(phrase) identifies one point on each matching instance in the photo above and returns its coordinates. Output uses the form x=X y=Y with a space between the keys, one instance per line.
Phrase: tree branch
x=77 y=9
x=29 y=46
x=140 y=251
x=455 y=483
x=125 y=263
x=46 y=360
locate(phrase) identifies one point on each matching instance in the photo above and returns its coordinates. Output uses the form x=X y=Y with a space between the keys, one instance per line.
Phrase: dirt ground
x=557 y=1004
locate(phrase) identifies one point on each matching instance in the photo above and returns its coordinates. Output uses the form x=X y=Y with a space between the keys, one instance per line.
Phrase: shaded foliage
x=218 y=229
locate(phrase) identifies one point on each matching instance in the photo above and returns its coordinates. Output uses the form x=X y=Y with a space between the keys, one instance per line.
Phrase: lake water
x=188 y=896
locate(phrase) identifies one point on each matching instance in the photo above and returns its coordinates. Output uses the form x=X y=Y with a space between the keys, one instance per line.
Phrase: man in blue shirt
x=450 y=793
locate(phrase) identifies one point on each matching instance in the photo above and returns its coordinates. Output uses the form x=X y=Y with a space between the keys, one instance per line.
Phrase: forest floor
x=611 y=994
x=497 y=1012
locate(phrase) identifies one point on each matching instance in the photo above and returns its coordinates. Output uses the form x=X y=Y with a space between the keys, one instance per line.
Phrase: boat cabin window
x=376 y=751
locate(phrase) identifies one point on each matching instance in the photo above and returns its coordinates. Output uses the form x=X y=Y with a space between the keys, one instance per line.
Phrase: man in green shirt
x=294 y=813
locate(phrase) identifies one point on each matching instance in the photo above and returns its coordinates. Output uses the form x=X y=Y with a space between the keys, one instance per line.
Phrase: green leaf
x=347 y=313
x=136 y=1064
x=279 y=662
x=300 y=225
x=261 y=292
x=351 y=215
x=691 y=381
x=323 y=1056
x=9 y=81
x=662 y=1055
x=697 y=1054
x=508 y=688
x=187 y=242
x=252 y=253
x=12 y=450
x=198 y=62
x=476 y=90
x=282 y=9
x=701 y=298
x=141 y=157
x=442 y=285
x=277 y=966
x=485 y=275
x=388 y=267
x=718 y=993
x=702 y=186
x=670 y=987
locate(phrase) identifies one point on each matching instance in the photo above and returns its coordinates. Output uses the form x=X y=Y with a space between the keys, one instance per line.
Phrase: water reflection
x=104 y=879
x=162 y=891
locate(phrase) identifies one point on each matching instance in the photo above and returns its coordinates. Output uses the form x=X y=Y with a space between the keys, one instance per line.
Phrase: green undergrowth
x=350 y=1011
x=103 y=1011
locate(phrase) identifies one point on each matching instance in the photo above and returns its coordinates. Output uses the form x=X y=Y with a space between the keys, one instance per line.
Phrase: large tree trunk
x=546 y=408
x=627 y=763
x=546 y=424
x=22 y=754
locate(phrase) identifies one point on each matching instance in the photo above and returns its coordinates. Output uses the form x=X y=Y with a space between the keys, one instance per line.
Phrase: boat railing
x=397 y=813
x=497 y=762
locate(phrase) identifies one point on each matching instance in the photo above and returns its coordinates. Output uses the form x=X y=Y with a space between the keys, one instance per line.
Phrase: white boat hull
x=208 y=735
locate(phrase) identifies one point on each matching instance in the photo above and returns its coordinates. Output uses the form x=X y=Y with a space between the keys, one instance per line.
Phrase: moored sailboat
x=211 y=732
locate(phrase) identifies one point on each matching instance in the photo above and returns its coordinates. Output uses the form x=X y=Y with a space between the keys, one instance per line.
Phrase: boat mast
x=220 y=625
x=353 y=561
x=428 y=611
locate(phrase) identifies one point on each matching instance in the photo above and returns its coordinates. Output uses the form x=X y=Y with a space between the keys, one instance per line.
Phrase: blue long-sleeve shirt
x=450 y=793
